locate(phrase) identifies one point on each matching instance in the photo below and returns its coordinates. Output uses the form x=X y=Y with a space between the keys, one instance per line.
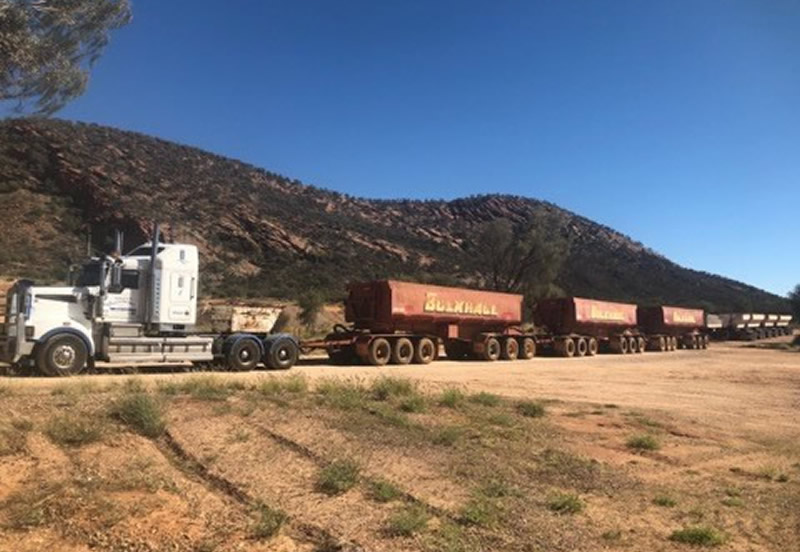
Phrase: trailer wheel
x=510 y=349
x=623 y=345
x=243 y=355
x=580 y=347
x=379 y=352
x=565 y=347
x=528 y=348
x=633 y=345
x=673 y=343
x=491 y=349
x=402 y=351
x=592 y=346
x=641 y=343
x=62 y=355
x=282 y=354
x=661 y=344
x=425 y=351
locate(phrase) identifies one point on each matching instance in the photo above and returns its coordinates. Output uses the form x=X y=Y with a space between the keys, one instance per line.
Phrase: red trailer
x=402 y=322
x=668 y=327
x=575 y=326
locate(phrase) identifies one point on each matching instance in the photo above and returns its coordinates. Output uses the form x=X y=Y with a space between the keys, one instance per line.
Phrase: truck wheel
x=673 y=343
x=581 y=347
x=633 y=345
x=661 y=344
x=510 y=349
x=425 y=351
x=642 y=344
x=491 y=349
x=244 y=355
x=623 y=345
x=282 y=354
x=62 y=355
x=592 y=346
x=402 y=351
x=379 y=352
x=528 y=348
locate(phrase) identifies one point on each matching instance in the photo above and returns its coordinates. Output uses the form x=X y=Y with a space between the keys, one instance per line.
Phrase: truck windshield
x=89 y=275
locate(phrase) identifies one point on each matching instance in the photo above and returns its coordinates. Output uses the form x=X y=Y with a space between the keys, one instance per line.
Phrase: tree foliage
x=47 y=48
x=525 y=258
x=794 y=297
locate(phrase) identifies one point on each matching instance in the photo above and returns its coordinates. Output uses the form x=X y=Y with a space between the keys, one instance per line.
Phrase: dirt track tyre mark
x=187 y=463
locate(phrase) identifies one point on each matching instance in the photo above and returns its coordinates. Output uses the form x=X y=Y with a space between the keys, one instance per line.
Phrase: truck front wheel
x=62 y=355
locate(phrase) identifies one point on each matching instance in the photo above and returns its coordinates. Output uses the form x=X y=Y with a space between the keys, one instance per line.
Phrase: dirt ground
x=640 y=453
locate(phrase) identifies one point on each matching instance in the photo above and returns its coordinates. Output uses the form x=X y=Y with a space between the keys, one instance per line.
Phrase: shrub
x=452 y=397
x=338 y=477
x=485 y=399
x=643 y=442
x=698 y=536
x=74 y=430
x=406 y=522
x=478 y=511
x=531 y=409
x=206 y=388
x=565 y=503
x=268 y=523
x=141 y=412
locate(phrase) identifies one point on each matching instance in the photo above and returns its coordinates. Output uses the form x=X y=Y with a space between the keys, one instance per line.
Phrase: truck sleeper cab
x=138 y=308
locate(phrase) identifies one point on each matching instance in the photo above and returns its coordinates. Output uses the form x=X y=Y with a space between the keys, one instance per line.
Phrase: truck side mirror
x=116 y=278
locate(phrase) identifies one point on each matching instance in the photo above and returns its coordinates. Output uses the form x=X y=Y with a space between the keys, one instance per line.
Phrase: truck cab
x=135 y=308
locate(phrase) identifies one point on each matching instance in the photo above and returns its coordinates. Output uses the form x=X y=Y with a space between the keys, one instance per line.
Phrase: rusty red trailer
x=402 y=322
x=577 y=326
x=663 y=323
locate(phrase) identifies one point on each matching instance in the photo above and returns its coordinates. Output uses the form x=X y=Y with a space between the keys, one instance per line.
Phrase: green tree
x=794 y=298
x=47 y=48
x=526 y=258
x=310 y=304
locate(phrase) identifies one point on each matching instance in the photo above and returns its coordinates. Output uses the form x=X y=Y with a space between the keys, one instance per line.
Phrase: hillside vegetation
x=263 y=234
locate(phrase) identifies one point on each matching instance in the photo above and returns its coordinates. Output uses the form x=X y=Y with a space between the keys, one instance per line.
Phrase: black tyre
x=402 y=351
x=642 y=344
x=592 y=346
x=491 y=349
x=62 y=355
x=510 y=349
x=565 y=347
x=425 y=351
x=581 y=347
x=379 y=352
x=527 y=348
x=282 y=354
x=633 y=345
x=243 y=355
x=624 y=345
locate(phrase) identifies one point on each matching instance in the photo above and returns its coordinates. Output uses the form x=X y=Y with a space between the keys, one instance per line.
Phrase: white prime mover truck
x=138 y=308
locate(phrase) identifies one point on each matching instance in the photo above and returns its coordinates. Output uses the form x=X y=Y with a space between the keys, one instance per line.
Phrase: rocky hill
x=263 y=234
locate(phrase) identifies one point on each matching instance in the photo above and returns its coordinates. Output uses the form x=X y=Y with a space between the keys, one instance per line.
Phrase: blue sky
x=677 y=123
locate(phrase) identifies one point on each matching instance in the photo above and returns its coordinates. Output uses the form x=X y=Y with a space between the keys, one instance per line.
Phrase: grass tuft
x=479 y=511
x=665 y=501
x=268 y=523
x=296 y=384
x=485 y=399
x=565 y=503
x=338 y=477
x=74 y=430
x=206 y=388
x=406 y=521
x=413 y=403
x=531 y=409
x=452 y=397
x=383 y=491
x=698 y=536
x=643 y=442
x=386 y=387
x=141 y=412
x=345 y=395
x=447 y=436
